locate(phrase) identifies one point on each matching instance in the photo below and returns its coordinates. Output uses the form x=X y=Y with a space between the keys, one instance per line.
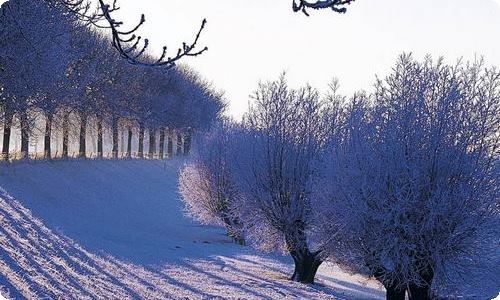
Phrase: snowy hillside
x=116 y=230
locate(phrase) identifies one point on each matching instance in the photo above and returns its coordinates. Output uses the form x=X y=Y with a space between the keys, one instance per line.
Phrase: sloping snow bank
x=115 y=230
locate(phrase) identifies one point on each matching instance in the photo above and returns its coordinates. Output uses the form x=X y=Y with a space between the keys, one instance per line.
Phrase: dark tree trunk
x=306 y=265
x=99 y=137
x=170 y=145
x=187 y=143
x=393 y=291
x=152 y=143
x=129 y=142
x=24 y=136
x=114 y=125
x=306 y=262
x=422 y=292
x=232 y=232
x=179 y=145
x=65 y=135
x=7 y=128
x=48 y=133
x=140 y=153
x=83 y=132
x=162 y=143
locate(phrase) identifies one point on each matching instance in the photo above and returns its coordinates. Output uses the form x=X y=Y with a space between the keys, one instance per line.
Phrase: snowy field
x=116 y=230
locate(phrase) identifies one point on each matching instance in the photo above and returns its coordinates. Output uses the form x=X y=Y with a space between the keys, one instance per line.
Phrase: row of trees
x=56 y=68
x=402 y=184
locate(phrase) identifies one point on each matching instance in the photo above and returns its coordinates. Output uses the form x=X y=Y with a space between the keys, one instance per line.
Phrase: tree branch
x=133 y=50
x=335 y=5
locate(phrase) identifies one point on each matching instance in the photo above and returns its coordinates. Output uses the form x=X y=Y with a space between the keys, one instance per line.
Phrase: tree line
x=62 y=72
x=401 y=184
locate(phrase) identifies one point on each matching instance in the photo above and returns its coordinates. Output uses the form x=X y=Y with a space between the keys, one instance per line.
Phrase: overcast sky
x=250 y=40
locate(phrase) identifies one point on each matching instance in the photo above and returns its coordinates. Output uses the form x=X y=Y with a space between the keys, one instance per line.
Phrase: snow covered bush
x=274 y=169
x=206 y=185
x=411 y=190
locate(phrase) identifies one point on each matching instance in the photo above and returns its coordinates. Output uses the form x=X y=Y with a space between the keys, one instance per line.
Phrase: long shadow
x=99 y=193
x=157 y=275
x=28 y=227
x=40 y=270
x=268 y=281
x=7 y=289
x=188 y=287
x=279 y=258
x=59 y=246
x=226 y=282
x=354 y=287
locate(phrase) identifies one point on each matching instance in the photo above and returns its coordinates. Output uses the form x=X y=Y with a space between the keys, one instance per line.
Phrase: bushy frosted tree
x=412 y=187
x=206 y=184
x=274 y=163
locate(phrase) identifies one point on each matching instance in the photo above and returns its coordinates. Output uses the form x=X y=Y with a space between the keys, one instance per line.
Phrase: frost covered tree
x=31 y=59
x=411 y=192
x=206 y=185
x=274 y=163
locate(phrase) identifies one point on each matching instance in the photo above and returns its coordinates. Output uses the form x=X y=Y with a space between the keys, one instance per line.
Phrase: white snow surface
x=84 y=229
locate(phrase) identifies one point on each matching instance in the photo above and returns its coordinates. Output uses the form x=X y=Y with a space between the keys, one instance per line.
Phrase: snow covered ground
x=115 y=230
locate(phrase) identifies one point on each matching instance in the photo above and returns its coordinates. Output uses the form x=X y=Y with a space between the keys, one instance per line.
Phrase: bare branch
x=130 y=47
x=335 y=5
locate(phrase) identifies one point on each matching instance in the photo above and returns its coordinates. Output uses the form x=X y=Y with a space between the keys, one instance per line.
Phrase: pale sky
x=250 y=40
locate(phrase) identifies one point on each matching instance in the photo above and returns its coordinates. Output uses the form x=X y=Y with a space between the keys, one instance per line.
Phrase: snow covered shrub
x=411 y=190
x=205 y=183
x=274 y=168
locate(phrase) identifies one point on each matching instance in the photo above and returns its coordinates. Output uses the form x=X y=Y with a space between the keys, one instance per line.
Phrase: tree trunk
x=306 y=265
x=152 y=143
x=162 y=143
x=141 y=141
x=48 y=133
x=422 y=292
x=129 y=142
x=65 y=135
x=7 y=128
x=99 y=137
x=83 y=132
x=170 y=145
x=231 y=225
x=187 y=143
x=114 y=125
x=179 y=145
x=24 y=136
x=393 y=291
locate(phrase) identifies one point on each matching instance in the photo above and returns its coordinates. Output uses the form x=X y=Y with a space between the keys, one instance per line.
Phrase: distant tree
x=206 y=184
x=52 y=64
x=31 y=59
x=412 y=185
